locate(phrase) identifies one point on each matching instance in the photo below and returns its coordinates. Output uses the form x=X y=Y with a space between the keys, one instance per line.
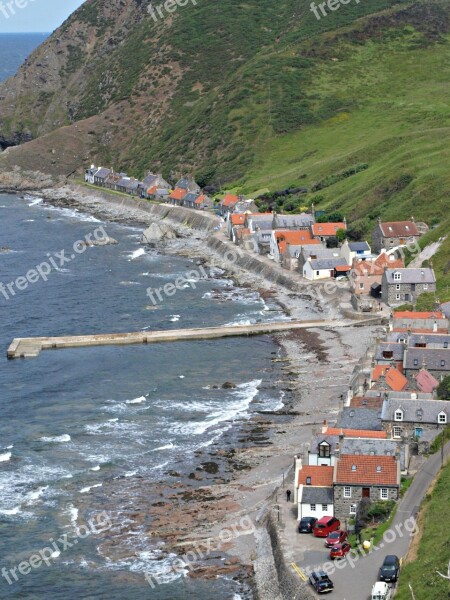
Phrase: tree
x=443 y=389
x=341 y=235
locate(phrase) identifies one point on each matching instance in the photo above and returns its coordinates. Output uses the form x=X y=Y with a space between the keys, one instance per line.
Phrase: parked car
x=381 y=591
x=306 y=524
x=340 y=550
x=336 y=537
x=321 y=582
x=390 y=568
x=325 y=526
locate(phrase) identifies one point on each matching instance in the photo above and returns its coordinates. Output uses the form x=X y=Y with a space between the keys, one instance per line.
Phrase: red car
x=325 y=526
x=340 y=550
x=336 y=537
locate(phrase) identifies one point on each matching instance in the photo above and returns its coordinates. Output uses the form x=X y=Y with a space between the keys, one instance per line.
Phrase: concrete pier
x=31 y=347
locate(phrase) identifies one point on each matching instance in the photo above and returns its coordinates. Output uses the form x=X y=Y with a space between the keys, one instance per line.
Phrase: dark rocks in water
x=210 y=467
x=228 y=385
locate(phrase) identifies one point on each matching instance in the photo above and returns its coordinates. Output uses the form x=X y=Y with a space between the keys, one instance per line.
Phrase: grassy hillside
x=433 y=550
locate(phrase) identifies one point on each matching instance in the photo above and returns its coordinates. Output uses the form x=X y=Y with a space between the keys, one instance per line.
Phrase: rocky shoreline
x=242 y=478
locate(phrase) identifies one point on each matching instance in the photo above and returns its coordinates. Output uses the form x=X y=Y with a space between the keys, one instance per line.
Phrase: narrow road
x=354 y=580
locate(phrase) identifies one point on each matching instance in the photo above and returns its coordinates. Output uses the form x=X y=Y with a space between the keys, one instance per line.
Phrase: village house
x=358 y=476
x=176 y=196
x=292 y=222
x=100 y=176
x=234 y=222
x=128 y=185
x=260 y=227
x=89 y=174
x=400 y=286
x=425 y=382
x=435 y=360
x=393 y=234
x=315 y=250
x=324 y=268
x=187 y=184
x=151 y=184
x=280 y=239
x=387 y=377
x=325 y=231
x=359 y=418
x=189 y=199
x=419 y=322
x=366 y=275
x=313 y=490
x=355 y=250
x=227 y=204
x=204 y=202
x=419 y=420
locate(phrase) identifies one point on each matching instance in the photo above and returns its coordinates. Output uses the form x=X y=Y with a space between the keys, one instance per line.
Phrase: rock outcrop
x=158 y=232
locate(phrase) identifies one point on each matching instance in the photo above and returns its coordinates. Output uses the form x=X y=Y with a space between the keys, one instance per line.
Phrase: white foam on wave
x=174 y=318
x=12 y=511
x=96 y=468
x=233 y=408
x=5 y=457
x=136 y=400
x=136 y=254
x=32 y=201
x=57 y=439
x=130 y=474
x=87 y=489
x=130 y=283
x=244 y=321
x=166 y=447
x=36 y=494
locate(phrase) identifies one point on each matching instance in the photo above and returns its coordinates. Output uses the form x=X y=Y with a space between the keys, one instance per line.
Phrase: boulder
x=158 y=232
x=228 y=385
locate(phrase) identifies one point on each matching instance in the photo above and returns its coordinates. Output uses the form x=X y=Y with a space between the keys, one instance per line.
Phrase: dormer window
x=397 y=276
x=353 y=467
x=379 y=469
x=442 y=363
x=419 y=413
x=442 y=418
x=324 y=450
x=416 y=362
x=398 y=415
x=308 y=481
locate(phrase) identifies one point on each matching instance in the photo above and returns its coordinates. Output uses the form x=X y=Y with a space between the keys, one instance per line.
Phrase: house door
x=402 y=242
x=366 y=492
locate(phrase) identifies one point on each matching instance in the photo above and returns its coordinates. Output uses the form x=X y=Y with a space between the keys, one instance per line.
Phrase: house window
x=425 y=286
x=398 y=415
x=384 y=494
x=445 y=344
x=324 y=451
x=317 y=272
x=397 y=432
x=313 y=507
x=397 y=276
x=397 y=296
x=378 y=469
x=308 y=481
x=325 y=507
x=347 y=491
x=397 y=287
x=442 y=363
x=361 y=286
x=353 y=509
x=442 y=417
x=416 y=362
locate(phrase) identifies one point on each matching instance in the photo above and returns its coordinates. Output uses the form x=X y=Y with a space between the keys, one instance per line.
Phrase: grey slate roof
x=401 y=395
x=327 y=263
x=319 y=251
x=102 y=173
x=317 y=495
x=445 y=308
x=149 y=180
x=358 y=246
x=359 y=418
x=433 y=359
x=294 y=251
x=410 y=276
x=321 y=437
x=430 y=410
x=436 y=340
x=396 y=349
x=302 y=220
x=190 y=197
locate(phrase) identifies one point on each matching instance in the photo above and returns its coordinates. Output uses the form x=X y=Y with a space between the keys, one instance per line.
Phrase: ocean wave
x=36 y=494
x=130 y=283
x=169 y=446
x=136 y=400
x=174 y=318
x=87 y=489
x=136 y=254
x=96 y=468
x=5 y=457
x=32 y=201
x=11 y=511
x=57 y=439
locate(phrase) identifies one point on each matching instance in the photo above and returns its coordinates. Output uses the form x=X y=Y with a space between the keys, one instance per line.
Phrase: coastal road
x=355 y=581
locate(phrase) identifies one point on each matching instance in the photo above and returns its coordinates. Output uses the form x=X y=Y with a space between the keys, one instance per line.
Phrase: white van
x=381 y=591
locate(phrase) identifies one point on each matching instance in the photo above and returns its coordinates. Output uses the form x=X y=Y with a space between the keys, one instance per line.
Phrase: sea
x=78 y=423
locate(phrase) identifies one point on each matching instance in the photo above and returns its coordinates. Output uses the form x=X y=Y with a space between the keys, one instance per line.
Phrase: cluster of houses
x=391 y=414
x=186 y=192
x=300 y=243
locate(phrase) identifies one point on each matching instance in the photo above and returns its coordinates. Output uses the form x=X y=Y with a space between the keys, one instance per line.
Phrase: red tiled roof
x=342 y=269
x=327 y=228
x=376 y=267
x=409 y=314
x=178 y=194
x=379 y=371
x=242 y=231
x=366 y=472
x=294 y=238
x=229 y=200
x=152 y=190
x=238 y=219
x=396 y=380
x=426 y=382
x=360 y=433
x=367 y=401
x=399 y=229
x=320 y=476
x=200 y=199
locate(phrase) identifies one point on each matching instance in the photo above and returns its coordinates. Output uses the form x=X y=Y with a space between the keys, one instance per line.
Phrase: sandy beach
x=313 y=370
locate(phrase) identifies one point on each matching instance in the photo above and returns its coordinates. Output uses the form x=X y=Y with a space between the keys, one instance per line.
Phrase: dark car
x=306 y=524
x=336 y=537
x=340 y=550
x=321 y=582
x=390 y=568
x=325 y=526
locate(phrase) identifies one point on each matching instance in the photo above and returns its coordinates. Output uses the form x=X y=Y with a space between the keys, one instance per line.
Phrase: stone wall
x=342 y=505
